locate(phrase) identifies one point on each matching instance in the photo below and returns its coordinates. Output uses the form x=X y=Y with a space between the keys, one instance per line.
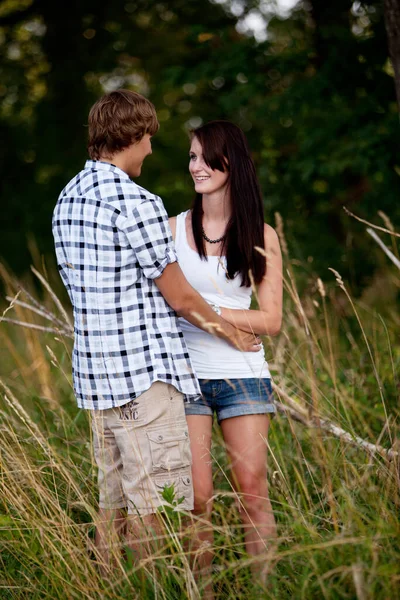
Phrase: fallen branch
x=386 y=250
x=300 y=414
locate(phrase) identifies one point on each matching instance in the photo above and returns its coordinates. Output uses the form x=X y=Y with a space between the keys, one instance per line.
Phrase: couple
x=164 y=333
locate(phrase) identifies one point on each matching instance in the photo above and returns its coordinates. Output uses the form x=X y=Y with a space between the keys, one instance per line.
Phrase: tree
x=57 y=64
x=316 y=100
x=392 y=21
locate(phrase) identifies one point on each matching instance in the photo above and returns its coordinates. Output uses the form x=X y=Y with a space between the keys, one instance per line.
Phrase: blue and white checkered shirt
x=112 y=240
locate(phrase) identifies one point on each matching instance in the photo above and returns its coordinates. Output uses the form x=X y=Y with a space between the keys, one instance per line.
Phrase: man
x=130 y=365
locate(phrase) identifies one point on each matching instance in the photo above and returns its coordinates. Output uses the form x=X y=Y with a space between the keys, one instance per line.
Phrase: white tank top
x=212 y=357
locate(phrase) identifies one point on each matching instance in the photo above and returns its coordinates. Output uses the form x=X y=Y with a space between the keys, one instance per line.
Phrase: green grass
x=336 y=505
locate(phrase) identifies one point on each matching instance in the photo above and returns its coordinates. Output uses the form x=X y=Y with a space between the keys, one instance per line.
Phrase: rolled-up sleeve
x=149 y=234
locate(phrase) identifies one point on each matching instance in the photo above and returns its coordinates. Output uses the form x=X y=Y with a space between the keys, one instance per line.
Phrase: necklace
x=208 y=239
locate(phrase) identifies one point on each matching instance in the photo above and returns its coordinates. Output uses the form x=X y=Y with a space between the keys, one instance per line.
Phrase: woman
x=225 y=250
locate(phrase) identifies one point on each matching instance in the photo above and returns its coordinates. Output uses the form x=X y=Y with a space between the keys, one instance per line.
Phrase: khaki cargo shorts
x=140 y=448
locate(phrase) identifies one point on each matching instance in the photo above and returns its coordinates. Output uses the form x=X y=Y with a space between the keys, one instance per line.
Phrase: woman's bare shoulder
x=188 y=223
x=270 y=235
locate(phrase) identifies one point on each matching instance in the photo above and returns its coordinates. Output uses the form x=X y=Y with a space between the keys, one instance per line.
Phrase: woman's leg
x=245 y=441
x=200 y=428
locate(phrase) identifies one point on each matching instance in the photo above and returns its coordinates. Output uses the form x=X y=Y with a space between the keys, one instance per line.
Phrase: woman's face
x=206 y=180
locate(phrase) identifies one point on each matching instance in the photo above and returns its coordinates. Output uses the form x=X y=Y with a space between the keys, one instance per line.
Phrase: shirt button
x=160 y=437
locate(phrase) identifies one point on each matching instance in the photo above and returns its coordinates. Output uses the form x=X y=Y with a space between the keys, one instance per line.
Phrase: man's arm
x=148 y=232
x=189 y=304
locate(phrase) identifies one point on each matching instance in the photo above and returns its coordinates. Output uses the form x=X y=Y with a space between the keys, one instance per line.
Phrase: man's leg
x=152 y=437
x=144 y=535
x=110 y=529
x=111 y=518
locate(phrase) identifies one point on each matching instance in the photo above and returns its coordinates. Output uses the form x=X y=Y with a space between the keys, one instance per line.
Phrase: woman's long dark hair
x=225 y=148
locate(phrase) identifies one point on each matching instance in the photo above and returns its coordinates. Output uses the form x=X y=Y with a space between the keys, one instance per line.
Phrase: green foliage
x=316 y=100
x=336 y=505
x=168 y=494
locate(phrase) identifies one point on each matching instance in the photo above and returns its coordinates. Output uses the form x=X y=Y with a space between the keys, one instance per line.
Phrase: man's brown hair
x=117 y=120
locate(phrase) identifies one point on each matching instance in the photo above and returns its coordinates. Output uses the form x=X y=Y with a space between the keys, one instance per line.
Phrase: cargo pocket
x=186 y=488
x=169 y=452
x=186 y=483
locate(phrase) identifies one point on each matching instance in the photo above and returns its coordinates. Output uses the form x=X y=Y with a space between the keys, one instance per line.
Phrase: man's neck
x=117 y=160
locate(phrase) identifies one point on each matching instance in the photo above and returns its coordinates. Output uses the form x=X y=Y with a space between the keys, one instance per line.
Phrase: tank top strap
x=180 y=234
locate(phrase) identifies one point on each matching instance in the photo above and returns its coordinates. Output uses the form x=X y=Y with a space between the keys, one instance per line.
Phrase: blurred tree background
x=313 y=88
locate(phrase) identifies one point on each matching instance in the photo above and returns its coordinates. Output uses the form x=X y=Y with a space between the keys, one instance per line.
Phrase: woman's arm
x=172 y=224
x=267 y=319
x=185 y=301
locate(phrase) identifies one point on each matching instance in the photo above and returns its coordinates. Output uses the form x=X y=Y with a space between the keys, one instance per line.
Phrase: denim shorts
x=233 y=398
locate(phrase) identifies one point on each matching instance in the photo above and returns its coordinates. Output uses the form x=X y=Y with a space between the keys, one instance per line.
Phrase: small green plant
x=336 y=500
x=172 y=503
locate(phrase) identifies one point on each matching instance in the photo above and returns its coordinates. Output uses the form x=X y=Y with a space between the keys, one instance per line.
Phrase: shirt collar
x=99 y=165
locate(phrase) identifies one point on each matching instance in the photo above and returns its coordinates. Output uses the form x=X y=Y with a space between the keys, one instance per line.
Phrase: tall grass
x=336 y=504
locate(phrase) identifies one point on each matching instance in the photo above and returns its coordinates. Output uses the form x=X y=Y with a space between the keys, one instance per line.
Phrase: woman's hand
x=247 y=342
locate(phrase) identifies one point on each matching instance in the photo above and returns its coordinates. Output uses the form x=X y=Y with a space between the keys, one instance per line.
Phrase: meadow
x=336 y=499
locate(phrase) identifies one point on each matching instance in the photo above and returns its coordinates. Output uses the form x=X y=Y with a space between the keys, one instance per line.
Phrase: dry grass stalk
x=39 y=327
x=370 y=224
x=38 y=309
x=53 y=296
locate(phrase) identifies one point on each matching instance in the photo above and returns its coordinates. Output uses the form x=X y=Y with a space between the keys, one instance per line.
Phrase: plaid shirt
x=112 y=240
